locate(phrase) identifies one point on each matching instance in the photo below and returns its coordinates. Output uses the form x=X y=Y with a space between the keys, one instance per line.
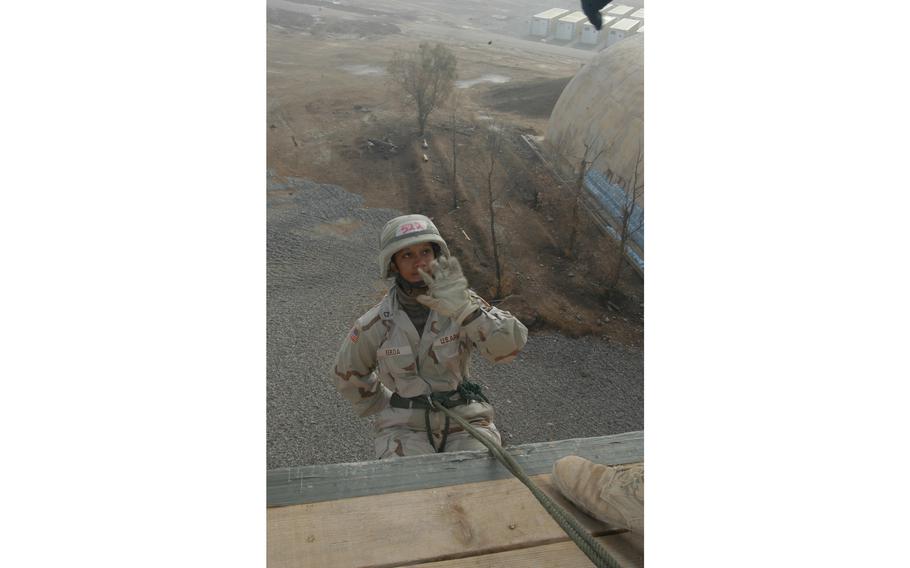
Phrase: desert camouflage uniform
x=383 y=354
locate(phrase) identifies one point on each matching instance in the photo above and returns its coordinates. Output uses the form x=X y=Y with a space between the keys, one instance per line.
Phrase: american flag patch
x=355 y=335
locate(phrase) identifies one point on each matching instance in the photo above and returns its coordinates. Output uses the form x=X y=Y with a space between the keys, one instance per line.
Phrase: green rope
x=582 y=538
x=445 y=429
x=471 y=392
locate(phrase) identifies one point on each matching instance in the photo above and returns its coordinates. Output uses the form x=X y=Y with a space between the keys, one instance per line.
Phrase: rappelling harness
x=466 y=393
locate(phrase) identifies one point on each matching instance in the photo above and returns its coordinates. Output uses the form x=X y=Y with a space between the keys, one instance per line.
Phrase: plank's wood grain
x=427 y=525
x=626 y=549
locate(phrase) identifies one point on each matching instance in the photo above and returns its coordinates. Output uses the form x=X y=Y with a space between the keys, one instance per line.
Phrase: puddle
x=489 y=78
x=364 y=69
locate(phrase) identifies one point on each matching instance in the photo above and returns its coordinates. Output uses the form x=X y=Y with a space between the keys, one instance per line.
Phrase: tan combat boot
x=614 y=494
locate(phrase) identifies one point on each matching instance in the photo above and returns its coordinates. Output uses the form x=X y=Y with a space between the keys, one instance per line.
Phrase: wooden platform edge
x=562 y=554
x=328 y=482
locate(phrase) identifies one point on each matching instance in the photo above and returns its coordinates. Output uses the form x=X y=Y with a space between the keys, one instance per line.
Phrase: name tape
x=393 y=351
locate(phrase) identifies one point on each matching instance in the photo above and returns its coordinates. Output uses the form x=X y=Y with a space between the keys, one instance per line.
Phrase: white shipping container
x=589 y=35
x=544 y=23
x=622 y=29
x=568 y=27
x=620 y=10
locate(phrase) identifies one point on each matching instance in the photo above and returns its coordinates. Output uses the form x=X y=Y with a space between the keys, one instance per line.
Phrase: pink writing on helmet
x=410 y=228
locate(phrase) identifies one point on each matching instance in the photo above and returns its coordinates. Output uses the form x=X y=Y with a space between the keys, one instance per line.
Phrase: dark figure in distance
x=592 y=9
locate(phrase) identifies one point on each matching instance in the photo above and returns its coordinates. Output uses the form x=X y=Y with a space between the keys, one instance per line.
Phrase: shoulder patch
x=354 y=335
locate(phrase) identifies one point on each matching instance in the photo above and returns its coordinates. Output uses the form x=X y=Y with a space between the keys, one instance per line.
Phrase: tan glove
x=448 y=290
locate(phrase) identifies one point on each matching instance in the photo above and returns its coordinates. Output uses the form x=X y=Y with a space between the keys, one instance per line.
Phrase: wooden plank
x=626 y=549
x=429 y=525
x=315 y=483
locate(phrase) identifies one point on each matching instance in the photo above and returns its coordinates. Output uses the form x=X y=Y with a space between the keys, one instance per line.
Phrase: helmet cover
x=402 y=232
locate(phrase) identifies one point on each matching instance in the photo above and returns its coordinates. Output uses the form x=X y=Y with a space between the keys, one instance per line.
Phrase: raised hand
x=448 y=289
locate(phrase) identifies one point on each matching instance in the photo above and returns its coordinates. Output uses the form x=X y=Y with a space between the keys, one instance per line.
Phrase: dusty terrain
x=328 y=94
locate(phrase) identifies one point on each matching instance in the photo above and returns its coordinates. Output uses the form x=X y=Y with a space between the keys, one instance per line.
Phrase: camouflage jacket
x=383 y=353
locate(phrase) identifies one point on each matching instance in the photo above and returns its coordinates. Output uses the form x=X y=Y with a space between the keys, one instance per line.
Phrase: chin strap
x=409 y=288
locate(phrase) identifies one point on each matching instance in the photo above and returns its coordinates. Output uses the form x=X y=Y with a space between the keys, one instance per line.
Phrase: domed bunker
x=599 y=118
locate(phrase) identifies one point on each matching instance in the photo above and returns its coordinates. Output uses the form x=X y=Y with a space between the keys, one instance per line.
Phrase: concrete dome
x=603 y=105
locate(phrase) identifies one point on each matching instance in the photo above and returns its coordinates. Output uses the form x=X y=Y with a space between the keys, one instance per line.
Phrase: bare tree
x=627 y=224
x=493 y=146
x=583 y=166
x=454 y=105
x=560 y=151
x=425 y=76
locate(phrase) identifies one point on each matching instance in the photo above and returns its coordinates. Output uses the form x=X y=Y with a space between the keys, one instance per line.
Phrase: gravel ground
x=322 y=275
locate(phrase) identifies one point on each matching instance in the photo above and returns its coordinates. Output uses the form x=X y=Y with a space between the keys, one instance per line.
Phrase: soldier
x=414 y=346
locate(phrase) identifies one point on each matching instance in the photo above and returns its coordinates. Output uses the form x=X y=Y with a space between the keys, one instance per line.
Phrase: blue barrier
x=611 y=199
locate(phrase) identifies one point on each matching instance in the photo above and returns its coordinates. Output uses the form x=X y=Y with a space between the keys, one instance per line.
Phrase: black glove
x=592 y=8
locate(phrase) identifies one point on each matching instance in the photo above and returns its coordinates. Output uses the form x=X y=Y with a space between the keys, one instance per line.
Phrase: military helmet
x=403 y=232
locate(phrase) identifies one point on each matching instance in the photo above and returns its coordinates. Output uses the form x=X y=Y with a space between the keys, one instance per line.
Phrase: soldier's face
x=409 y=259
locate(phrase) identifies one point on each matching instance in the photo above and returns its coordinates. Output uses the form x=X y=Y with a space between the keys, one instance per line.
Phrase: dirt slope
x=327 y=97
